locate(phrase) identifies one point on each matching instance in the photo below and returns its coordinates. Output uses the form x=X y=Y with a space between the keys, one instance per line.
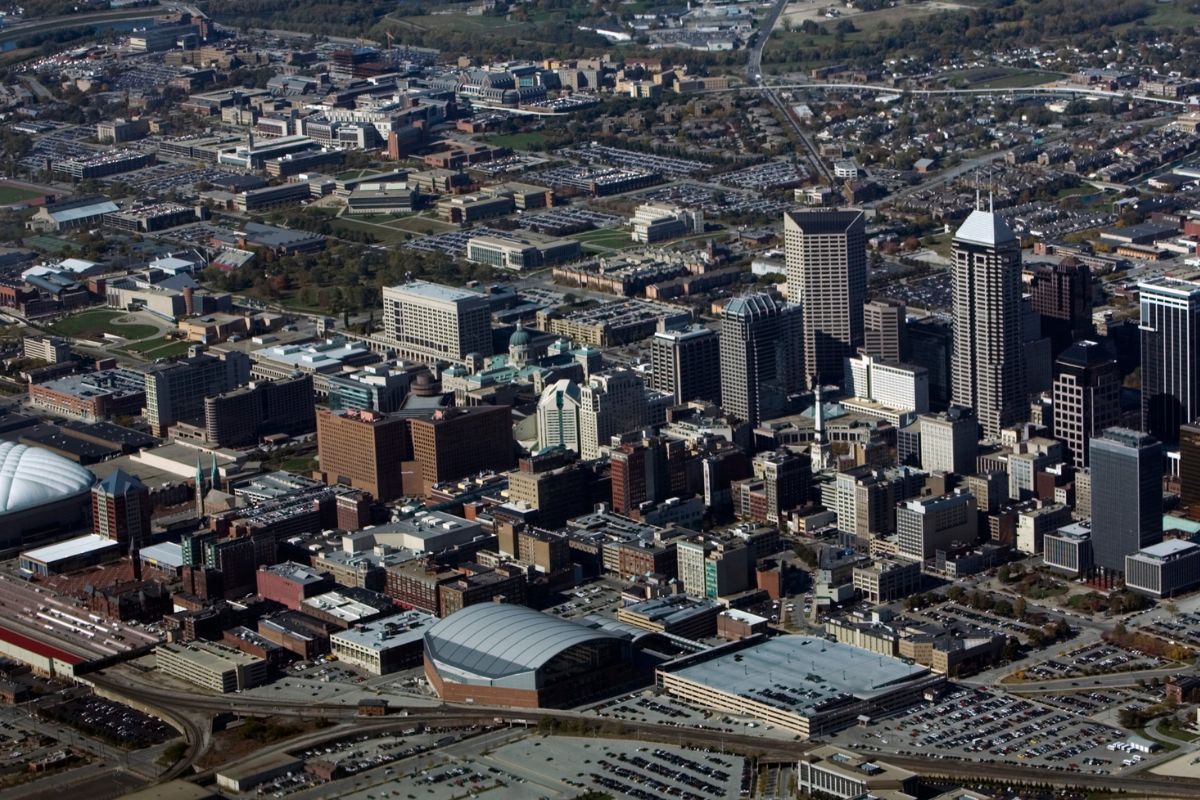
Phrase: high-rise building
x=558 y=416
x=610 y=403
x=1170 y=326
x=365 y=450
x=930 y=345
x=1087 y=390
x=892 y=384
x=927 y=524
x=454 y=443
x=762 y=356
x=1062 y=296
x=786 y=477
x=121 y=508
x=556 y=484
x=175 y=391
x=241 y=417
x=826 y=262
x=687 y=364
x=885 y=330
x=865 y=498
x=988 y=372
x=646 y=470
x=1127 y=470
x=950 y=441
x=1189 y=469
x=430 y=322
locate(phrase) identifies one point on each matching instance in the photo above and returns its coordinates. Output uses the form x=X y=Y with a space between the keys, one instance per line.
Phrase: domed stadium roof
x=489 y=642
x=31 y=477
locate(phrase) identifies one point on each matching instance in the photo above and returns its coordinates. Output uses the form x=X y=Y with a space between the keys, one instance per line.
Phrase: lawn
x=14 y=194
x=383 y=234
x=93 y=324
x=518 y=141
x=456 y=22
x=1019 y=79
x=605 y=238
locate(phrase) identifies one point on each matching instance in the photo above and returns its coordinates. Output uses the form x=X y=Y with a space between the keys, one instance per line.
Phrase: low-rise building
x=1163 y=569
x=211 y=666
x=385 y=645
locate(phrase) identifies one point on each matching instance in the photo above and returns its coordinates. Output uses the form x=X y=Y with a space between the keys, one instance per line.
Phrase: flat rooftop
x=208 y=655
x=801 y=673
x=388 y=632
x=1171 y=548
x=71 y=548
x=436 y=291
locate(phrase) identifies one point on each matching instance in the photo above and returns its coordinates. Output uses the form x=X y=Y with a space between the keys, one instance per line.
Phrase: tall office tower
x=1189 y=469
x=558 y=416
x=889 y=383
x=175 y=391
x=687 y=364
x=865 y=498
x=1127 y=471
x=121 y=508
x=1170 y=328
x=1036 y=351
x=1087 y=396
x=826 y=262
x=241 y=417
x=988 y=371
x=762 y=356
x=609 y=404
x=365 y=450
x=430 y=322
x=950 y=441
x=930 y=345
x=786 y=478
x=885 y=330
x=1062 y=296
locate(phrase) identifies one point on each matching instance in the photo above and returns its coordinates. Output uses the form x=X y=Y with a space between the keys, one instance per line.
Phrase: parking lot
x=954 y=614
x=977 y=724
x=1183 y=627
x=111 y=722
x=1100 y=658
x=771 y=175
x=662 y=709
x=715 y=202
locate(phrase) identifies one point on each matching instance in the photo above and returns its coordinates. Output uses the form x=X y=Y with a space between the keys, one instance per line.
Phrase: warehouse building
x=804 y=685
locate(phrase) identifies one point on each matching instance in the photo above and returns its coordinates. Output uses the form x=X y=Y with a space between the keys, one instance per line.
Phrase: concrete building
x=865 y=498
x=687 y=364
x=429 y=322
x=762 y=356
x=1069 y=549
x=609 y=404
x=885 y=330
x=1189 y=469
x=1126 y=495
x=928 y=524
x=826 y=259
x=175 y=391
x=121 y=508
x=1087 y=389
x=211 y=666
x=519 y=253
x=241 y=417
x=886 y=581
x=831 y=772
x=903 y=387
x=1034 y=523
x=988 y=370
x=1061 y=295
x=559 y=413
x=678 y=615
x=713 y=567
x=1170 y=339
x=658 y=222
x=1164 y=569
x=50 y=349
x=364 y=450
x=950 y=441
x=385 y=645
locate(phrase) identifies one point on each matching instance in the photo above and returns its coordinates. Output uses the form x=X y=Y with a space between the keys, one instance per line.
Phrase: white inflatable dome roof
x=31 y=477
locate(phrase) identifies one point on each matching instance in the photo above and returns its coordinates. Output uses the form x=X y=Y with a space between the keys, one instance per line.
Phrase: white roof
x=78 y=546
x=1168 y=548
x=31 y=476
x=985 y=228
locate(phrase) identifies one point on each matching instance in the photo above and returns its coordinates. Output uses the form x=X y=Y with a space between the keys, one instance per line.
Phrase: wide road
x=79 y=20
x=1085 y=682
x=754 y=62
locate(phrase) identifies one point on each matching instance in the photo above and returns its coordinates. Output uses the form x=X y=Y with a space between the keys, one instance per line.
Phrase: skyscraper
x=1062 y=296
x=885 y=332
x=175 y=391
x=558 y=416
x=430 y=322
x=1127 y=472
x=930 y=344
x=1189 y=469
x=987 y=370
x=610 y=403
x=1087 y=389
x=826 y=262
x=1170 y=326
x=762 y=356
x=687 y=364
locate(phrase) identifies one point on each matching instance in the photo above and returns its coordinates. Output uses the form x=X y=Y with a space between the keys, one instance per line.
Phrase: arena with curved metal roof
x=512 y=655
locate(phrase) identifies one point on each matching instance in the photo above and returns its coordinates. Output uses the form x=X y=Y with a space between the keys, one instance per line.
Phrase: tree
x=1019 y=608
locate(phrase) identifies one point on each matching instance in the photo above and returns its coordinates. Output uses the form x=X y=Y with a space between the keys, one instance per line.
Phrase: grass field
x=457 y=22
x=384 y=234
x=14 y=194
x=605 y=237
x=517 y=141
x=93 y=324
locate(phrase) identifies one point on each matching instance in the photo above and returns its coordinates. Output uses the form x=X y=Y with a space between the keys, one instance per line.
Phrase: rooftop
x=984 y=228
x=800 y=673
x=387 y=632
x=436 y=291
x=80 y=545
x=1169 y=549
